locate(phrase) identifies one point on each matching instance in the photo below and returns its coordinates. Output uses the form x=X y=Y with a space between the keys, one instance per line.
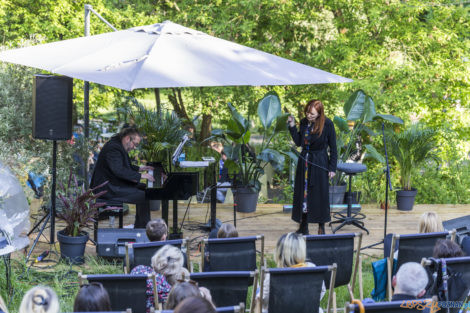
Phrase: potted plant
x=161 y=131
x=410 y=149
x=353 y=136
x=77 y=208
x=242 y=159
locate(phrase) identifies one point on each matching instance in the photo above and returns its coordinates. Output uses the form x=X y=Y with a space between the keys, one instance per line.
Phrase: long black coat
x=114 y=165
x=318 y=205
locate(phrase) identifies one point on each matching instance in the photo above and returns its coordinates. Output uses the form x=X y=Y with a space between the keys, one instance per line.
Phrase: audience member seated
x=290 y=251
x=446 y=249
x=430 y=222
x=167 y=265
x=409 y=282
x=40 y=299
x=3 y=306
x=195 y=305
x=227 y=230
x=184 y=290
x=156 y=230
x=92 y=298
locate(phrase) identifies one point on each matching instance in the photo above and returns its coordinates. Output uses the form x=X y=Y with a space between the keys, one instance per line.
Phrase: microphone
x=42 y=256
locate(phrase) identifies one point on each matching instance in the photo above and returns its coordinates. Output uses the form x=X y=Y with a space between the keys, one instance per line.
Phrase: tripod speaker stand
x=50 y=217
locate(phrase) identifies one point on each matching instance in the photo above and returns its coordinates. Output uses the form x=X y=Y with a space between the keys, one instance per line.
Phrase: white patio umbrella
x=165 y=55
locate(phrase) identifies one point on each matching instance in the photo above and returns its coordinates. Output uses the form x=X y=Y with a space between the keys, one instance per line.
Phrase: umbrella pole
x=86 y=97
x=157 y=98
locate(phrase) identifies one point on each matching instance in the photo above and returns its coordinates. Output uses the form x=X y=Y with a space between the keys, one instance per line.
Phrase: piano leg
x=213 y=206
x=165 y=211
x=175 y=217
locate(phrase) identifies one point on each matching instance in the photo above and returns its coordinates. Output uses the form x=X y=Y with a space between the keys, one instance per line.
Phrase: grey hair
x=411 y=278
x=40 y=299
x=168 y=261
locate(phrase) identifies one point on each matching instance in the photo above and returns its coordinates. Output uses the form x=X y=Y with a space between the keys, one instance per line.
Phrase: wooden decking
x=269 y=219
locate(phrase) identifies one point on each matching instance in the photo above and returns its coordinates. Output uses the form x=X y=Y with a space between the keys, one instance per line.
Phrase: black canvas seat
x=339 y=249
x=125 y=291
x=227 y=287
x=297 y=289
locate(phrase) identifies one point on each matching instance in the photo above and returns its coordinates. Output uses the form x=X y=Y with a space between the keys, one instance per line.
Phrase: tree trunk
x=206 y=128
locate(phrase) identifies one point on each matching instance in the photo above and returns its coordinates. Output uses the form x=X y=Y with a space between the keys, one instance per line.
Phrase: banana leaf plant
x=411 y=148
x=356 y=128
x=242 y=159
x=77 y=206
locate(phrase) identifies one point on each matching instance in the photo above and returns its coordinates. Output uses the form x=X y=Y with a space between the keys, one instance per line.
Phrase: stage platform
x=270 y=220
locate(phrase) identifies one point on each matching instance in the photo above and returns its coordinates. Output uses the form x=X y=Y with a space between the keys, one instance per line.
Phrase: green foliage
x=241 y=157
x=359 y=109
x=18 y=150
x=161 y=132
x=78 y=207
x=411 y=57
x=411 y=148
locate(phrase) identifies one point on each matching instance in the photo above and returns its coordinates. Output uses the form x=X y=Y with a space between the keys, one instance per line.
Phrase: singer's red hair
x=320 y=122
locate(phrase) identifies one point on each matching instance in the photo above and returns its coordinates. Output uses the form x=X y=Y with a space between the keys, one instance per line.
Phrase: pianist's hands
x=148 y=177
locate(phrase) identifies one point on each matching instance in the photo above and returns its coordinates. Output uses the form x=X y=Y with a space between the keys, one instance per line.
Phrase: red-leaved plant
x=79 y=206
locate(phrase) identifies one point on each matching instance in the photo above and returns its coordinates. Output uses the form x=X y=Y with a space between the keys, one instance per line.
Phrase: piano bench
x=103 y=213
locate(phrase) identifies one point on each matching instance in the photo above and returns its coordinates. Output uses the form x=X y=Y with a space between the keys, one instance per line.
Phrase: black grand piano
x=177 y=186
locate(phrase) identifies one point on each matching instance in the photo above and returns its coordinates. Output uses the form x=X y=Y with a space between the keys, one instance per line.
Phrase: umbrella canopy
x=165 y=55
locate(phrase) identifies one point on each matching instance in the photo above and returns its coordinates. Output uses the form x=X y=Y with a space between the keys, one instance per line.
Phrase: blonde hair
x=168 y=261
x=430 y=222
x=227 y=230
x=40 y=299
x=290 y=250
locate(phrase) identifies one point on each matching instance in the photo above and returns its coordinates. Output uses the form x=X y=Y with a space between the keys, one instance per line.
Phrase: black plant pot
x=245 y=199
x=72 y=249
x=406 y=199
x=337 y=194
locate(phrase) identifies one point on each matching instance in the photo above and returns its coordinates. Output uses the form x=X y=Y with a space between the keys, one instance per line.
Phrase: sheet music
x=185 y=164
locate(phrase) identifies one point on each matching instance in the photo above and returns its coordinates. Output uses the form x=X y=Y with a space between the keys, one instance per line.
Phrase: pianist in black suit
x=114 y=165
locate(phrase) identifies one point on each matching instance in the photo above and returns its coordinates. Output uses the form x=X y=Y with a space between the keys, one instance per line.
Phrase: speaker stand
x=50 y=217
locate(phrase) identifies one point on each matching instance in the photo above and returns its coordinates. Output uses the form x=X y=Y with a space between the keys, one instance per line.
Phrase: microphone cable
x=309 y=162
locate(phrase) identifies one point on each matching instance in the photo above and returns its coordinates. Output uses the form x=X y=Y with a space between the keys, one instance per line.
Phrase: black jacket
x=114 y=165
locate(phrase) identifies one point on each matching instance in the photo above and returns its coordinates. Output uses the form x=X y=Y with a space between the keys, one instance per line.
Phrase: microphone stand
x=388 y=184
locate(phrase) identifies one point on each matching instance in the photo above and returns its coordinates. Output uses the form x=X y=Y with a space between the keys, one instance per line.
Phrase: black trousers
x=137 y=197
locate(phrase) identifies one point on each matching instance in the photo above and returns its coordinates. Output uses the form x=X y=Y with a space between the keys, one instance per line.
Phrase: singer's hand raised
x=148 y=177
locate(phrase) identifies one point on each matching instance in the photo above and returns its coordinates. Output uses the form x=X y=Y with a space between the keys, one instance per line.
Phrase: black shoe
x=321 y=229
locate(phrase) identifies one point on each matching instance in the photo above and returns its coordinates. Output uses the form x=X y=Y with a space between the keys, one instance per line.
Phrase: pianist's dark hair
x=128 y=130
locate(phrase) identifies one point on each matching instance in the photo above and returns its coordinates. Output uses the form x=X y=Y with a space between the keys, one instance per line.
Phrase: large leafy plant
x=161 y=132
x=411 y=148
x=77 y=206
x=242 y=159
x=357 y=128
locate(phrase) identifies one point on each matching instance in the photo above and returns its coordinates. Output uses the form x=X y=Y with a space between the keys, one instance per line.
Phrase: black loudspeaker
x=52 y=107
x=460 y=224
x=111 y=242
